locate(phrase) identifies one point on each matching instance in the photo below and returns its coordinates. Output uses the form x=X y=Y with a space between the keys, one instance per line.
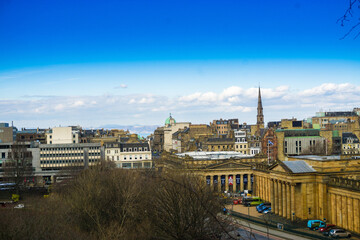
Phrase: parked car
x=315 y=224
x=255 y=201
x=338 y=233
x=327 y=228
x=267 y=210
x=260 y=208
x=20 y=206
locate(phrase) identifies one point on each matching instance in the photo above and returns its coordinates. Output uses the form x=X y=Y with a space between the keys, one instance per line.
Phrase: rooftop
x=299 y=166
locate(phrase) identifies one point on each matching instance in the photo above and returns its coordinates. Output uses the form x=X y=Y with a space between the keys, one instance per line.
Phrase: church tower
x=260 y=115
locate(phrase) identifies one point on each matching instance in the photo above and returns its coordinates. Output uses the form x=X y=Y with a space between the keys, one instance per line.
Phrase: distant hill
x=142 y=130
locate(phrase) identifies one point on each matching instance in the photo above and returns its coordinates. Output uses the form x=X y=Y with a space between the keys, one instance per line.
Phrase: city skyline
x=133 y=63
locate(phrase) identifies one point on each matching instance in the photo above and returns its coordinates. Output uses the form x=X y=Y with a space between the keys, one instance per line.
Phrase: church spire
x=260 y=115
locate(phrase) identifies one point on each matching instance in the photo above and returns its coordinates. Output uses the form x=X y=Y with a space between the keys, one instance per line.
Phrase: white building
x=129 y=155
x=241 y=144
x=62 y=135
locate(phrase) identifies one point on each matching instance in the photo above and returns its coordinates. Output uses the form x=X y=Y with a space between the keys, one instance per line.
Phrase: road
x=246 y=230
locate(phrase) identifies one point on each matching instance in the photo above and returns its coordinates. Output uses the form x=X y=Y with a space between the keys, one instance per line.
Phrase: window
x=137 y=165
x=3 y=155
x=126 y=165
x=135 y=149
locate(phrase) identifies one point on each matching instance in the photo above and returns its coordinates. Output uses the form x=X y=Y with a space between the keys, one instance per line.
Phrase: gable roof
x=299 y=166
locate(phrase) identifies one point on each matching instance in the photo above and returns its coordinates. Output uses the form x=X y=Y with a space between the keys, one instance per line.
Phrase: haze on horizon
x=133 y=62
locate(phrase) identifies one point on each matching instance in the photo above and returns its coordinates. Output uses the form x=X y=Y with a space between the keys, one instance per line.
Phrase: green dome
x=169 y=120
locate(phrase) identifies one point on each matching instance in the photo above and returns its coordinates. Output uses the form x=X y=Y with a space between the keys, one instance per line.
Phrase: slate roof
x=298 y=166
x=347 y=135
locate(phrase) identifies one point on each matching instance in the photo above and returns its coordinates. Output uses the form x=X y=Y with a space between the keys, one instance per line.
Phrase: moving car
x=338 y=233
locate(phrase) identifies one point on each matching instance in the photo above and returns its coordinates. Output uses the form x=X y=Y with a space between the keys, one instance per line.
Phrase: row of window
x=135 y=149
x=68 y=149
x=135 y=165
x=66 y=161
x=241 y=146
x=131 y=157
x=68 y=154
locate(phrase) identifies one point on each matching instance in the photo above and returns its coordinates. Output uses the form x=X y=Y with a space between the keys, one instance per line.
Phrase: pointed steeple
x=260 y=115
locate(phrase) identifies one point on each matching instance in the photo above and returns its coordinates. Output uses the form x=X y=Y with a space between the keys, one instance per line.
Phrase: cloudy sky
x=94 y=63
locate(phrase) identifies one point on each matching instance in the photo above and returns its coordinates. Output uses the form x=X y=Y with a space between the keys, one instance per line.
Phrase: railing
x=345 y=183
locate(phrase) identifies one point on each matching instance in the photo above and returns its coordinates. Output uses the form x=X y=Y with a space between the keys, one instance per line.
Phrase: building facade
x=129 y=155
x=62 y=135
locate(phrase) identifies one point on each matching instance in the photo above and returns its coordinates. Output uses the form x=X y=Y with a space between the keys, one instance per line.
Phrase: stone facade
x=269 y=145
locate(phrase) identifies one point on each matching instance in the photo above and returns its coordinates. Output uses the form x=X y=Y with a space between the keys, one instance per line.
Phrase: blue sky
x=94 y=63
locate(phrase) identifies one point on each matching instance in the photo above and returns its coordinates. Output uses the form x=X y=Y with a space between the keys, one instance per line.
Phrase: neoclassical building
x=302 y=187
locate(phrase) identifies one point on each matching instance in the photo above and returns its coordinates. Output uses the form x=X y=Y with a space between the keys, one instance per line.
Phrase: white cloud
x=278 y=102
x=121 y=86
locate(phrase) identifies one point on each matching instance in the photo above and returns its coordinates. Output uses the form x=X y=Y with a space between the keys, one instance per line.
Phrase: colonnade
x=262 y=187
x=282 y=195
x=230 y=182
x=344 y=210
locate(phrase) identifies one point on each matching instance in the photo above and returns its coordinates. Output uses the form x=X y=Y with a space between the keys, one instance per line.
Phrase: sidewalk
x=254 y=227
x=249 y=216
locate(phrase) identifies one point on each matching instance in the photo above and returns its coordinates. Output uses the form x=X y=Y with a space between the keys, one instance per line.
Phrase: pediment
x=279 y=168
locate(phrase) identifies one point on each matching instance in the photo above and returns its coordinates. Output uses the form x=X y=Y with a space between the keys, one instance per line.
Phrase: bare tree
x=351 y=16
x=18 y=168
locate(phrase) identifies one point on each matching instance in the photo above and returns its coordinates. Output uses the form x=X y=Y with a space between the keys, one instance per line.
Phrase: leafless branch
x=348 y=16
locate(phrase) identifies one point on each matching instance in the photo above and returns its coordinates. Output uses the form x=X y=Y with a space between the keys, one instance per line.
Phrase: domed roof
x=170 y=120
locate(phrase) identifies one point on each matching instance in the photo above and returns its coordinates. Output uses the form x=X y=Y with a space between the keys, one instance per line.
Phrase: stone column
x=272 y=195
x=344 y=211
x=305 y=211
x=211 y=182
x=280 y=198
x=288 y=198
x=261 y=188
x=241 y=182
x=333 y=208
x=356 y=216
x=276 y=196
x=249 y=182
x=269 y=194
x=284 y=211
x=226 y=183
x=292 y=200
x=350 y=213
